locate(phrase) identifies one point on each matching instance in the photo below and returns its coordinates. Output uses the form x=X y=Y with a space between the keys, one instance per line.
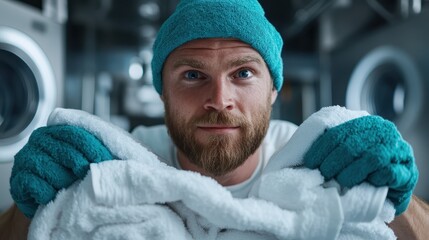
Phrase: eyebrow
x=189 y=62
x=243 y=60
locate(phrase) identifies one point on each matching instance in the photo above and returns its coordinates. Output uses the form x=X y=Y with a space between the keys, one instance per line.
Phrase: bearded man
x=217 y=66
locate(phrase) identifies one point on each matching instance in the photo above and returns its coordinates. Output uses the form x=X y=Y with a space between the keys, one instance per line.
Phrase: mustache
x=221 y=118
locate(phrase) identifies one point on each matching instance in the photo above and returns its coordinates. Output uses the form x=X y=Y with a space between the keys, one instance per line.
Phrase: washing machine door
x=27 y=90
x=387 y=82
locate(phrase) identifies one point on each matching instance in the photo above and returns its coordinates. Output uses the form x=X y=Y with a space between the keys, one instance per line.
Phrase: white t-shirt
x=157 y=140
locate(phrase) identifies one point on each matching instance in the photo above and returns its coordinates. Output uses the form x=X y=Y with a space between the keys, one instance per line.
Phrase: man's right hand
x=53 y=159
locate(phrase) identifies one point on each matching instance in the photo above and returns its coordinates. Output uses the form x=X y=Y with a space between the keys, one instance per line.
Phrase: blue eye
x=192 y=75
x=245 y=73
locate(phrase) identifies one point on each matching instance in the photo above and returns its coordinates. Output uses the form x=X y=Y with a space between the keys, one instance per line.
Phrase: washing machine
x=31 y=79
x=386 y=73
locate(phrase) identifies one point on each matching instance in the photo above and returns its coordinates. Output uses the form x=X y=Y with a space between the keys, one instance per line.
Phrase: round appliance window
x=27 y=90
x=18 y=96
x=387 y=83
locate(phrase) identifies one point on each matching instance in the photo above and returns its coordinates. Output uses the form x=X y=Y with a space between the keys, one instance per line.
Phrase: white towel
x=143 y=198
x=364 y=207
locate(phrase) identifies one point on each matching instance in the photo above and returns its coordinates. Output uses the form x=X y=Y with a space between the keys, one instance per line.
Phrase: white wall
x=5 y=198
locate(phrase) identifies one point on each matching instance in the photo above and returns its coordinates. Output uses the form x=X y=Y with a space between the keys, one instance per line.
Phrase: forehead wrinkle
x=239 y=61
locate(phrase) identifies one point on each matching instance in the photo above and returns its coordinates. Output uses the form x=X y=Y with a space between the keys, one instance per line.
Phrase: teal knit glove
x=368 y=149
x=53 y=159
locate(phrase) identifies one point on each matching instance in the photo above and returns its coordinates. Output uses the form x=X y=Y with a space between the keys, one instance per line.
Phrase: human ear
x=274 y=95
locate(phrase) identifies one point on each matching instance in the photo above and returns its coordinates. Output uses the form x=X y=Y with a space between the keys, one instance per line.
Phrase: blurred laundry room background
x=95 y=55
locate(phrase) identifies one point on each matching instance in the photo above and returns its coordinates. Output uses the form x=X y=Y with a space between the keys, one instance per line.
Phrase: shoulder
x=277 y=136
x=280 y=130
x=156 y=139
x=142 y=132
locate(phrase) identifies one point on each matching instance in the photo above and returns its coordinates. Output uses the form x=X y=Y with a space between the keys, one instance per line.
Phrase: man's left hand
x=368 y=149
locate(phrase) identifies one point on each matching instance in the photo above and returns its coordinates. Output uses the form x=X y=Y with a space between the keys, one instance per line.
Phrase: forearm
x=13 y=224
x=413 y=223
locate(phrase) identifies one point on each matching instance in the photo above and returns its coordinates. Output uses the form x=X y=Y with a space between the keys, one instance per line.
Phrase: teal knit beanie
x=197 y=19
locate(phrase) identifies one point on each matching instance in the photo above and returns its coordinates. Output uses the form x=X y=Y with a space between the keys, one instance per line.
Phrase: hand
x=53 y=159
x=369 y=149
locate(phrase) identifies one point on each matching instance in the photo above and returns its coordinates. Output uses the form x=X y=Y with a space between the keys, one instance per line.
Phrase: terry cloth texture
x=365 y=208
x=143 y=198
x=198 y=19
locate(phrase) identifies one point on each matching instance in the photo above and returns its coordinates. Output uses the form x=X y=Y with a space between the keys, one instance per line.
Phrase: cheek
x=180 y=105
x=256 y=98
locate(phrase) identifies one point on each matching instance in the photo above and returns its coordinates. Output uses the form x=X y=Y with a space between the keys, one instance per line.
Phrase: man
x=217 y=66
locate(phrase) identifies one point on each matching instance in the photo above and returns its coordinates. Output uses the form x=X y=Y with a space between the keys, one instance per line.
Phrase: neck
x=238 y=175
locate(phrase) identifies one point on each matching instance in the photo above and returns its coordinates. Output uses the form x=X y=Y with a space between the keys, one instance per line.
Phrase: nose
x=220 y=96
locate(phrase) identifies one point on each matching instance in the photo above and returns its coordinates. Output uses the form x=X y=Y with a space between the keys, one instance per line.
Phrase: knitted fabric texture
x=53 y=159
x=198 y=19
x=370 y=149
